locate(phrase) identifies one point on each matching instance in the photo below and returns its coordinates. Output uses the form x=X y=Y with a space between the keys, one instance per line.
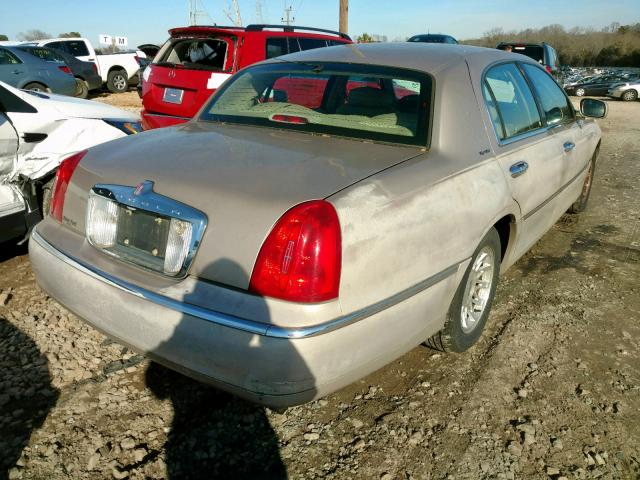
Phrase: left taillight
x=63 y=177
x=65 y=69
x=300 y=261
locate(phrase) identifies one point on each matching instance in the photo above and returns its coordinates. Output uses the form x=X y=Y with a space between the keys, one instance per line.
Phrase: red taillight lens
x=548 y=68
x=95 y=67
x=63 y=177
x=300 y=260
x=65 y=69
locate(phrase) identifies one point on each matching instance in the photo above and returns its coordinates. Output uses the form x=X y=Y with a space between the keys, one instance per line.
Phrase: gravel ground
x=552 y=390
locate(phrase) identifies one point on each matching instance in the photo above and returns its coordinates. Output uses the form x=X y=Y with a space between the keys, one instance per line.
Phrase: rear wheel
x=82 y=89
x=581 y=202
x=580 y=92
x=117 y=81
x=471 y=304
x=630 y=96
x=36 y=87
x=47 y=191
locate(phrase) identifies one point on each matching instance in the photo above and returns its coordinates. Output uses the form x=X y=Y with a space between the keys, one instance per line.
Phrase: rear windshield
x=194 y=53
x=532 y=51
x=358 y=101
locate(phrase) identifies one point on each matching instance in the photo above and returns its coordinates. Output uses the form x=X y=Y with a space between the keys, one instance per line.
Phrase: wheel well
x=116 y=68
x=503 y=227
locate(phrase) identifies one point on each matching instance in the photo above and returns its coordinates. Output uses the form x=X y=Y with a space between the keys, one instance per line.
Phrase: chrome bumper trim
x=233 y=321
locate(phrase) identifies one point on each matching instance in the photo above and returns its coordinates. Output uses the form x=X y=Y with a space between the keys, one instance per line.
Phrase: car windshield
x=358 y=101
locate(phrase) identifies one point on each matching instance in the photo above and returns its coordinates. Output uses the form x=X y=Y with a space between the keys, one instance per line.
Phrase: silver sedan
x=324 y=213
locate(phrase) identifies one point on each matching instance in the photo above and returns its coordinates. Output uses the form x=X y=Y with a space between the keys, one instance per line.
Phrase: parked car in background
x=117 y=70
x=543 y=53
x=433 y=38
x=195 y=61
x=627 y=91
x=599 y=85
x=20 y=69
x=37 y=131
x=149 y=49
x=321 y=216
x=85 y=73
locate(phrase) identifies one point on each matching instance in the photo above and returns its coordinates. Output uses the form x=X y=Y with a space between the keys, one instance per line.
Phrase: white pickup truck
x=118 y=70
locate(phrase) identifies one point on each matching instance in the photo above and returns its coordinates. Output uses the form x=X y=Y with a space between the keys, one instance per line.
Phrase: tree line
x=615 y=45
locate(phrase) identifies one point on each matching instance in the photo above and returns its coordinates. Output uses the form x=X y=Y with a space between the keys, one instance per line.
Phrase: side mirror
x=590 y=107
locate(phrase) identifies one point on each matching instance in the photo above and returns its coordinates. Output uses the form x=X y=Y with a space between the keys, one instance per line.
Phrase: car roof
x=428 y=57
x=271 y=29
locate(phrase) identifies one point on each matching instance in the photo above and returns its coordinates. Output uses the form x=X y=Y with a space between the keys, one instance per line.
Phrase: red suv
x=196 y=60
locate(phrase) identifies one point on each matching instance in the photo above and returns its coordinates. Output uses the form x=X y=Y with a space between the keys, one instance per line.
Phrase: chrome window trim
x=236 y=322
x=144 y=198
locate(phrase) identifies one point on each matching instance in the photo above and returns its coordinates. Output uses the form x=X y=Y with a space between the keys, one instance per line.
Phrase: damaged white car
x=37 y=131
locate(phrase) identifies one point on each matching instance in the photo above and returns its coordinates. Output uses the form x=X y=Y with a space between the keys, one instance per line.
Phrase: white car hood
x=71 y=107
x=70 y=125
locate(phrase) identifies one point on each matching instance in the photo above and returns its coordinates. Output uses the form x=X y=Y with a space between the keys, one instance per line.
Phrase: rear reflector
x=63 y=177
x=300 y=261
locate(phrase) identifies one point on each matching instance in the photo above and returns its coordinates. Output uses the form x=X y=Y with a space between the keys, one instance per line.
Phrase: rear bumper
x=271 y=369
x=157 y=120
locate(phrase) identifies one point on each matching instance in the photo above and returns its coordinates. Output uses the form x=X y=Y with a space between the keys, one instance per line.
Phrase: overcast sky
x=147 y=21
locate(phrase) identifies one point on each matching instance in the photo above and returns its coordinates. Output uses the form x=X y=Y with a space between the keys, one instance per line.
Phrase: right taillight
x=300 y=261
x=63 y=177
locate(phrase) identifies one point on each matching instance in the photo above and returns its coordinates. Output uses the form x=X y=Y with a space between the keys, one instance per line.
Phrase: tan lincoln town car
x=324 y=213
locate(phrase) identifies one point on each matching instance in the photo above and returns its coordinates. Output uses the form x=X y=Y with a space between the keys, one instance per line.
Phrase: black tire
x=82 y=89
x=629 y=96
x=36 y=87
x=47 y=191
x=117 y=81
x=581 y=202
x=580 y=92
x=454 y=337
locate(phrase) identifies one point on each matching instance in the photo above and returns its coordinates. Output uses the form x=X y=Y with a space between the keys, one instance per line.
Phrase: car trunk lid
x=242 y=178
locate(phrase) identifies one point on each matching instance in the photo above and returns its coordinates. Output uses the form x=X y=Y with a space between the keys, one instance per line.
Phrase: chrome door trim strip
x=236 y=322
x=558 y=192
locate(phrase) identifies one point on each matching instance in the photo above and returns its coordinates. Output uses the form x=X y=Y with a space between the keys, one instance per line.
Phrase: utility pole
x=288 y=17
x=344 y=16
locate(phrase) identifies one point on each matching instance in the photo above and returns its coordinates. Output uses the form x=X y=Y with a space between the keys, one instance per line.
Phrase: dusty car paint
x=410 y=219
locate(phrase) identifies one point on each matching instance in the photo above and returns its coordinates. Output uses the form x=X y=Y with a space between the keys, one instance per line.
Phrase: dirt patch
x=552 y=390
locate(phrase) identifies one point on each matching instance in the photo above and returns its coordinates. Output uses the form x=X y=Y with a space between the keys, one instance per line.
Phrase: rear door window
x=555 y=104
x=8 y=58
x=507 y=91
x=77 y=48
x=277 y=46
x=310 y=43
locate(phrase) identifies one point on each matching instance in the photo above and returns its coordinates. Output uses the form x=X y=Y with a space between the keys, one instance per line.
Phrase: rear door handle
x=518 y=169
x=568 y=146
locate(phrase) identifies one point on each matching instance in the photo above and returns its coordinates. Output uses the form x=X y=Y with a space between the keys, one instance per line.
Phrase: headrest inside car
x=369 y=97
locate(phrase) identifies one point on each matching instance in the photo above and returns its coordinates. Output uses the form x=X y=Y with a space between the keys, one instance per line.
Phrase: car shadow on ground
x=26 y=393
x=10 y=249
x=215 y=434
